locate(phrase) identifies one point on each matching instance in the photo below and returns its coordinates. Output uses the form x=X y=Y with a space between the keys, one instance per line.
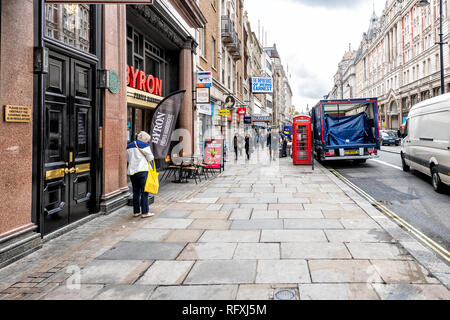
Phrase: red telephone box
x=301 y=143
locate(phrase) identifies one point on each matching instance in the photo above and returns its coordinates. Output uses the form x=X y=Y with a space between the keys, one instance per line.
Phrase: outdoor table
x=185 y=162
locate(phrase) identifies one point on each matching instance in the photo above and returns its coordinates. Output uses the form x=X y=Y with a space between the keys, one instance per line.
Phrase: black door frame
x=96 y=60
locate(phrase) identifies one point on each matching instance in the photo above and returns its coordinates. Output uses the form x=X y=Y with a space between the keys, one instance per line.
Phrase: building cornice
x=191 y=12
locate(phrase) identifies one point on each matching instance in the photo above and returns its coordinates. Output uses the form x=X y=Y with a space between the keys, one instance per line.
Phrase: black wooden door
x=67 y=130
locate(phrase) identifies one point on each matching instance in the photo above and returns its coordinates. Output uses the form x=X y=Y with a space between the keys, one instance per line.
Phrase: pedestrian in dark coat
x=284 y=147
x=247 y=146
x=235 y=144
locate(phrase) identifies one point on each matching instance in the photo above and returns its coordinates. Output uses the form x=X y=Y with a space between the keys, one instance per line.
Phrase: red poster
x=214 y=153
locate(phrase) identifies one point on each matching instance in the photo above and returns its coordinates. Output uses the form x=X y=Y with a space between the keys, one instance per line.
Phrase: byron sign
x=137 y=79
x=163 y=123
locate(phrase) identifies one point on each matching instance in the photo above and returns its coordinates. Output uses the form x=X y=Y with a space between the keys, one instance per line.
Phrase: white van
x=426 y=140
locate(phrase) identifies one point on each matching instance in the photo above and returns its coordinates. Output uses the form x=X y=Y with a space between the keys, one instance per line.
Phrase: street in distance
x=232 y=309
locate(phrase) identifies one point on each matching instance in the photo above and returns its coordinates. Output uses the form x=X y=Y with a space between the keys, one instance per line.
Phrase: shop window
x=69 y=23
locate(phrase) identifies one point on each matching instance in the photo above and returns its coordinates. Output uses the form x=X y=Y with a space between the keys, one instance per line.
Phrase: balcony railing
x=227 y=29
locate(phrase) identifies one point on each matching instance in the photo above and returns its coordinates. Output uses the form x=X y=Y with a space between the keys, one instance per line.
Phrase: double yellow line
x=422 y=237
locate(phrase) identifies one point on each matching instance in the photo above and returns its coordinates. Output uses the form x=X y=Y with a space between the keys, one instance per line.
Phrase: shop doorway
x=68 y=115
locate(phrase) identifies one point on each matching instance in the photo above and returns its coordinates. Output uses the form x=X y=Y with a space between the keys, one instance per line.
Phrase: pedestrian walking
x=284 y=148
x=269 y=143
x=247 y=146
x=235 y=145
x=138 y=156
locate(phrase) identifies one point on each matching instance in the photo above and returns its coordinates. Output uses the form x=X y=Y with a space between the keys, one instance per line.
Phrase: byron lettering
x=137 y=79
x=158 y=127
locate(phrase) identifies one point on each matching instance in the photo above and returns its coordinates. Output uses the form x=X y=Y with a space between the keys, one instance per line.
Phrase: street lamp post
x=423 y=3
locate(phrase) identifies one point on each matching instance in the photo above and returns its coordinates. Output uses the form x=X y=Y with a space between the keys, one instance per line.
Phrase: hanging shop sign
x=203 y=95
x=248 y=120
x=230 y=102
x=261 y=119
x=207 y=109
x=262 y=85
x=204 y=79
x=101 y=1
x=242 y=111
x=18 y=114
x=224 y=112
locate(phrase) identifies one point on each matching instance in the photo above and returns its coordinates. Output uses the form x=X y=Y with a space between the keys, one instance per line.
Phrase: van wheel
x=405 y=167
x=436 y=180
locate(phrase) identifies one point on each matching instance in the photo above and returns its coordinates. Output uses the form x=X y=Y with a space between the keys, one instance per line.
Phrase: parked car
x=389 y=137
x=426 y=140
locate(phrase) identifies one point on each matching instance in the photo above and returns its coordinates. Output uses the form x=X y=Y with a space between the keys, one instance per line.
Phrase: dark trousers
x=247 y=151
x=236 y=152
x=140 y=198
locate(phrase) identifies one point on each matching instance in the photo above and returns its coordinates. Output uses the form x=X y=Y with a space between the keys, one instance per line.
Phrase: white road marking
x=387 y=164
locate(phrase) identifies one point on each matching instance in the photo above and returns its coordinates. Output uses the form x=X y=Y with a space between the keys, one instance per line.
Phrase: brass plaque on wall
x=18 y=114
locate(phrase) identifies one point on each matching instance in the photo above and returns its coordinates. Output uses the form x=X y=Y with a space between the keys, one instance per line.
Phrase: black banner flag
x=164 y=122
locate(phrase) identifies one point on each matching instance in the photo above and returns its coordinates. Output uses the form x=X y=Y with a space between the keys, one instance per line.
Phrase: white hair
x=144 y=136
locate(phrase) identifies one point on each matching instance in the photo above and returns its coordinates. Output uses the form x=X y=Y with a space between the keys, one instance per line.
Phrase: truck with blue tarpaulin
x=346 y=129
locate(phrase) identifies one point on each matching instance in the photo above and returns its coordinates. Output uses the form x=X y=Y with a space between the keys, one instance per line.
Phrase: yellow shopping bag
x=152 y=183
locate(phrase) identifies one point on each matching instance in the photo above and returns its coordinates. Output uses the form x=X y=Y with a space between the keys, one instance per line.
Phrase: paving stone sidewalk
x=260 y=226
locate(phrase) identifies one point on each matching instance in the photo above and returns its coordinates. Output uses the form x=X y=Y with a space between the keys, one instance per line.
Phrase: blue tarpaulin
x=350 y=130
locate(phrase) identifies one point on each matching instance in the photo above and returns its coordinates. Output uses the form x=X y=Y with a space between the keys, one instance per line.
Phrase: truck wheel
x=436 y=180
x=405 y=167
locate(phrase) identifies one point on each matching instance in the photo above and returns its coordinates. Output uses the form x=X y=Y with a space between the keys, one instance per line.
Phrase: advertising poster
x=214 y=153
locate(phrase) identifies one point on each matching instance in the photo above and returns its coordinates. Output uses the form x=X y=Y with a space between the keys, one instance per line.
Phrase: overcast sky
x=311 y=37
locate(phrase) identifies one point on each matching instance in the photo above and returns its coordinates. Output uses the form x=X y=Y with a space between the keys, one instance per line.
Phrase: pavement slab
x=182 y=236
x=125 y=292
x=337 y=291
x=293 y=236
x=218 y=215
x=147 y=235
x=264 y=214
x=108 y=271
x=210 y=224
x=174 y=214
x=241 y=214
x=230 y=236
x=262 y=224
x=403 y=272
x=166 y=273
x=342 y=214
x=143 y=251
x=257 y=251
x=300 y=214
x=314 y=250
x=255 y=292
x=282 y=271
x=84 y=292
x=162 y=223
x=359 y=224
x=371 y=235
x=208 y=251
x=231 y=272
x=343 y=271
x=412 y=291
x=204 y=292
x=362 y=250
x=286 y=206
x=312 y=224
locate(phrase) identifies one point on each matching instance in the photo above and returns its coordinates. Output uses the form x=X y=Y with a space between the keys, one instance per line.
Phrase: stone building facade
x=398 y=59
x=66 y=163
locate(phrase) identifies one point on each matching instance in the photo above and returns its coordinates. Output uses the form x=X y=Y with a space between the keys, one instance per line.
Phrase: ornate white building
x=398 y=59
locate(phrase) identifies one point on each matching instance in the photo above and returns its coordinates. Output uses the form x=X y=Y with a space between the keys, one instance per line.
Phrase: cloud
x=330 y=4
